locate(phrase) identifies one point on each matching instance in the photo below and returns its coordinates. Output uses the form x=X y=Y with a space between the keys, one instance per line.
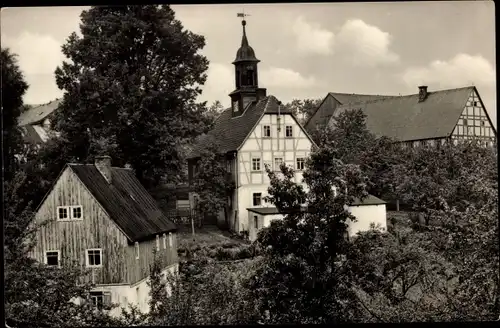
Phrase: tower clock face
x=235 y=105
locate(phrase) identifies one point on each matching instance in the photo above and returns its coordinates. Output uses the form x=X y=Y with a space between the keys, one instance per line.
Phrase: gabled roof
x=126 y=201
x=405 y=118
x=349 y=98
x=38 y=113
x=231 y=132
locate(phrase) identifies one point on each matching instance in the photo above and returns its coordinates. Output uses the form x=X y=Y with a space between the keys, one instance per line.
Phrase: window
x=62 y=212
x=94 y=257
x=170 y=239
x=300 y=163
x=136 y=250
x=465 y=121
x=267 y=131
x=289 y=131
x=76 y=212
x=474 y=104
x=164 y=241
x=257 y=199
x=255 y=164
x=256 y=222
x=52 y=258
x=157 y=243
x=483 y=123
x=277 y=163
x=99 y=299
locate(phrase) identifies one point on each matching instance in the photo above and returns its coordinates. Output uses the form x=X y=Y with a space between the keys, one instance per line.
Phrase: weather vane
x=242 y=14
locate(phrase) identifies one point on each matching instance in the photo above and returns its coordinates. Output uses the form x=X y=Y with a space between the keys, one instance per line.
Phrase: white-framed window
x=257 y=199
x=53 y=258
x=76 y=212
x=300 y=163
x=94 y=257
x=267 y=131
x=157 y=243
x=99 y=299
x=277 y=163
x=164 y=241
x=62 y=213
x=136 y=246
x=69 y=213
x=170 y=239
x=255 y=164
x=289 y=131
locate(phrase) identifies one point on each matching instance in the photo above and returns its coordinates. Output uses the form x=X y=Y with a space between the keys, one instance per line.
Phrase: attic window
x=63 y=212
x=474 y=104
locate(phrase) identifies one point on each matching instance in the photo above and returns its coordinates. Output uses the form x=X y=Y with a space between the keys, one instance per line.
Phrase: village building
x=255 y=132
x=102 y=218
x=425 y=118
x=35 y=123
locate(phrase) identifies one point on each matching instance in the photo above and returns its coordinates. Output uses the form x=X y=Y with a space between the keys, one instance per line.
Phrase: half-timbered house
x=101 y=218
x=255 y=132
x=426 y=118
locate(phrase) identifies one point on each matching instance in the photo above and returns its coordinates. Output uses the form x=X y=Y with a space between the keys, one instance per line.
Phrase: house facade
x=102 y=219
x=371 y=210
x=427 y=118
x=35 y=123
x=254 y=133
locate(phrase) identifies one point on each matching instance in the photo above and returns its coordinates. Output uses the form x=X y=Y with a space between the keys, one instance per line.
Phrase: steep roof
x=405 y=118
x=230 y=132
x=38 y=113
x=349 y=98
x=126 y=201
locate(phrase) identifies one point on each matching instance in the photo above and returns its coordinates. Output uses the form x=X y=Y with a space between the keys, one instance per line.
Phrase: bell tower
x=246 y=76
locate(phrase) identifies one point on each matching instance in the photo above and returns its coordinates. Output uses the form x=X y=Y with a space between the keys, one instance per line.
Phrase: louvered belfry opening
x=422 y=93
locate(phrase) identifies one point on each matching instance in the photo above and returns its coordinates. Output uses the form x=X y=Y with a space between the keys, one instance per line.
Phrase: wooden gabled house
x=425 y=118
x=104 y=219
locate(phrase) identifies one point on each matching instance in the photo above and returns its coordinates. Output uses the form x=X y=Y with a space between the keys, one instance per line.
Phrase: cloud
x=365 y=45
x=312 y=39
x=37 y=54
x=461 y=70
x=285 y=78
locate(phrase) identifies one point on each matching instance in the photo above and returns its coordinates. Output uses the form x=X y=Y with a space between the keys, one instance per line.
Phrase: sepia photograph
x=250 y=164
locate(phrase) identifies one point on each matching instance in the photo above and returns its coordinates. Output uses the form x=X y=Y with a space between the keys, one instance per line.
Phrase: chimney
x=422 y=93
x=103 y=164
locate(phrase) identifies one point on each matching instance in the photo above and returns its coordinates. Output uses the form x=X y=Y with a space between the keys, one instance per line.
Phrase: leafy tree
x=302 y=278
x=213 y=183
x=214 y=111
x=13 y=89
x=303 y=109
x=132 y=80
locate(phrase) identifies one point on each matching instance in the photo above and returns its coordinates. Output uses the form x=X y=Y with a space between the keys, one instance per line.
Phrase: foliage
x=301 y=279
x=13 y=89
x=213 y=183
x=201 y=293
x=214 y=111
x=303 y=109
x=130 y=88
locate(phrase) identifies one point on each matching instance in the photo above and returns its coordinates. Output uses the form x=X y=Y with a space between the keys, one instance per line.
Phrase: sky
x=306 y=50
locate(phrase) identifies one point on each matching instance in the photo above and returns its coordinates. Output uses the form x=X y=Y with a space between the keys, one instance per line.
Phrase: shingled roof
x=38 y=113
x=349 y=98
x=404 y=118
x=126 y=201
x=230 y=132
x=30 y=135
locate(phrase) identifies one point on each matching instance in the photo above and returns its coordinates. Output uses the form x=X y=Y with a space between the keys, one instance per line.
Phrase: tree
x=214 y=111
x=213 y=183
x=132 y=79
x=13 y=89
x=303 y=109
x=302 y=279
